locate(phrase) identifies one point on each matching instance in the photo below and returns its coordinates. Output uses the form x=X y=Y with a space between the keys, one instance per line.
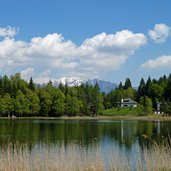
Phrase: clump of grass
x=159 y=153
x=122 y=111
x=73 y=158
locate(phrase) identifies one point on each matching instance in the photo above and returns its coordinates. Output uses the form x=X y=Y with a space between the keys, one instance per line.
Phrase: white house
x=127 y=103
x=158 y=108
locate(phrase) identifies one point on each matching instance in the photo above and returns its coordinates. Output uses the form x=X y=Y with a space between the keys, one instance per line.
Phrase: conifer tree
x=141 y=88
x=127 y=84
x=120 y=86
x=31 y=85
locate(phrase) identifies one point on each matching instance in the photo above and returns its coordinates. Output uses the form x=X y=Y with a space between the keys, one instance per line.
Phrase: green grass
x=122 y=111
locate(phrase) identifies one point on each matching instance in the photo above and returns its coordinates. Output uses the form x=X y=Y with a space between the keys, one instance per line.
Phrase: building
x=158 y=108
x=127 y=103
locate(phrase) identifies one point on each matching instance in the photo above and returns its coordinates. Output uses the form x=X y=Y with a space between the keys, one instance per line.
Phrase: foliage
x=26 y=99
x=23 y=98
x=146 y=102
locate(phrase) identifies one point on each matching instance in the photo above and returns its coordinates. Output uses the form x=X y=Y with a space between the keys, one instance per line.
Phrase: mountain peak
x=105 y=86
x=70 y=81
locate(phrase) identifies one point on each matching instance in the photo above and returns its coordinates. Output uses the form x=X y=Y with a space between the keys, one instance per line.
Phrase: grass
x=122 y=111
x=105 y=116
x=19 y=158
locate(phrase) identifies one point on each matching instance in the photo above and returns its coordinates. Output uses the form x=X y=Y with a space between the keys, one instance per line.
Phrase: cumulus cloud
x=60 y=57
x=44 y=77
x=110 y=51
x=158 y=63
x=8 y=31
x=160 y=33
x=27 y=73
x=12 y=53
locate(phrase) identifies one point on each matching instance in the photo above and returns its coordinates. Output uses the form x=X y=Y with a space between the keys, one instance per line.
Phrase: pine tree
x=1 y=88
x=120 y=86
x=141 y=88
x=147 y=89
x=168 y=89
x=61 y=87
x=31 y=85
x=127 y=84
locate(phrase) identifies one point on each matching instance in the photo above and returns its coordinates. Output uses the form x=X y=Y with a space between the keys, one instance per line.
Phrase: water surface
x=107 y=135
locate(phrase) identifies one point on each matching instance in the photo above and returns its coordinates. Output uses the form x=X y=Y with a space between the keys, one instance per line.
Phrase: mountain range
x=105 y=86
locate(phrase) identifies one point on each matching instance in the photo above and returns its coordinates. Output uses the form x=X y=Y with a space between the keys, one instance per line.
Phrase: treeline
x=21 y=98
x=148 y=94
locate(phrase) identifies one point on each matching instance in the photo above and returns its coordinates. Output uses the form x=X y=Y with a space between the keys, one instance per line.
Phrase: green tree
x=147 y=88
x=34 y=102
x=45 y=102
x=167 y=92
x=166 y=107
x=147 y=104
x=141 y=89
x=120 y=86
x=58 y=103
x=72 y=107
x=129 y=93
x=21 y=104
x=100 y=104
x=61 y=87
x=116 y=95
x=6 y=86
x=8 y=104
x=127 y=84
x=1 y=86
x=2 y=107
x=156 y=93
x=31 y=85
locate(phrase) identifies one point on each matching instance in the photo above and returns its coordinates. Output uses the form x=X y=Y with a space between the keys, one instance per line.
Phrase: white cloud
x=8 y=31
x=60 y=57
x=27 y=73
x=12 y=53
x=160 y=33
x=110 y=51
x=158 y=63
x=43 y=77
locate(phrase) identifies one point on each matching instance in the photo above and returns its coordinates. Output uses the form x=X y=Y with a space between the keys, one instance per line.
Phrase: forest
x=21 y=98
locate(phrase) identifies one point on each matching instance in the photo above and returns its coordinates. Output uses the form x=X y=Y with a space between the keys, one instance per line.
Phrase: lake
x=125 y=137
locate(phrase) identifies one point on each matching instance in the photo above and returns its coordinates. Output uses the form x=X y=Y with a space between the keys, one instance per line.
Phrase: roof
x=128 y=101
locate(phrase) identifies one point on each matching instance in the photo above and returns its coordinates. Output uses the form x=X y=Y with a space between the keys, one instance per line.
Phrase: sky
x=104 y=39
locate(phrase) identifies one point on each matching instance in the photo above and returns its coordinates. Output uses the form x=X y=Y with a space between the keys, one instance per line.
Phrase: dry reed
x=73 y=158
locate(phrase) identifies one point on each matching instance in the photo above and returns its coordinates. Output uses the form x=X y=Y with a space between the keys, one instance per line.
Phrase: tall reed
x=17 y=157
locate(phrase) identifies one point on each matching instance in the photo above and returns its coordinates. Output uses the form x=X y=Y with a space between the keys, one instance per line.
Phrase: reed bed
x=17 y=157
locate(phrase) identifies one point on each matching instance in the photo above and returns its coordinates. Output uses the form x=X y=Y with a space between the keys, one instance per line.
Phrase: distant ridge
x=105 y=86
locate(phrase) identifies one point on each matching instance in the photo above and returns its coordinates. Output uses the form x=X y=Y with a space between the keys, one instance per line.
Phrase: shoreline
x=98 y=117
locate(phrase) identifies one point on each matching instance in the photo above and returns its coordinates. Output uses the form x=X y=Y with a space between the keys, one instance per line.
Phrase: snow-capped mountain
x=71 y=81
x=105 y=86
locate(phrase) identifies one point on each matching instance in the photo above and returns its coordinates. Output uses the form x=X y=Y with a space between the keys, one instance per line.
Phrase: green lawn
x=122 y=111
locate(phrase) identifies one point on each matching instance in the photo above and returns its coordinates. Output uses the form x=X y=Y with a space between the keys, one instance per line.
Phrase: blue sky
x=110 y=40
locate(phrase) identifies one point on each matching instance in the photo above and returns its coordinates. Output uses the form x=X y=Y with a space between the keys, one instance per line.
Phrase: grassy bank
x=151 y=117
x=122 y=111
x=73 y=158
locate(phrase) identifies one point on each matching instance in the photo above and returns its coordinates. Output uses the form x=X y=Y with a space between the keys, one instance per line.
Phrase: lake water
x=106 y=135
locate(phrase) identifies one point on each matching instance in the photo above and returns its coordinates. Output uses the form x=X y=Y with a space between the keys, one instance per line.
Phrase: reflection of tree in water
x=83 y=133
x=160 y=134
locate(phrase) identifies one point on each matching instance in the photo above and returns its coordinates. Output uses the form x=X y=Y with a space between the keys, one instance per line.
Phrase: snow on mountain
x=71 y=81
x=105 y=86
